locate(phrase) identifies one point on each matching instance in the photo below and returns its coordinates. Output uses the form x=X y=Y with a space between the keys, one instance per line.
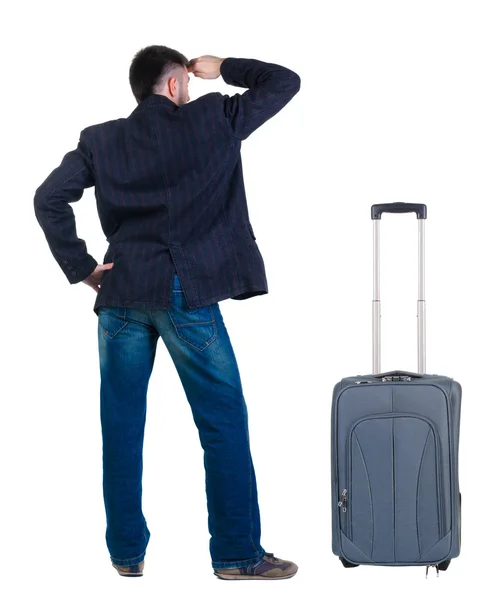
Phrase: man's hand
x=95 y=278
x=205 y=67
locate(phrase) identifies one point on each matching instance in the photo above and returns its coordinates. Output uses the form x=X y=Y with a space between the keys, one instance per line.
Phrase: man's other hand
x=95 y=278
x=205 y=67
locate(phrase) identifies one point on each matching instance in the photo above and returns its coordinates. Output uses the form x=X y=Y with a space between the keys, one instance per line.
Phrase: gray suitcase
x=394 y=452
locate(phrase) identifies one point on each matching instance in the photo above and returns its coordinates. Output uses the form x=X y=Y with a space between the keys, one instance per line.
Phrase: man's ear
x=172 y=85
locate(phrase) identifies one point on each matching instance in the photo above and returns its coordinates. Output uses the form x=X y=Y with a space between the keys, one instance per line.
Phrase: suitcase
x=394 y=451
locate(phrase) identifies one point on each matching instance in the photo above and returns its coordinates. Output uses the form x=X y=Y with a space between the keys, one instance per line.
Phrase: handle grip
x=398 y=207
x=398 y=375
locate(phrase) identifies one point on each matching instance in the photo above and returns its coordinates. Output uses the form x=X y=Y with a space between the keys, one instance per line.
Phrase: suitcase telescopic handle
x=398 y=207
x=376 y=213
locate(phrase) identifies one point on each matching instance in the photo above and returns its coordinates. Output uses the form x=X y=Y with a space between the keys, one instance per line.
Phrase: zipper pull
x=342 y=503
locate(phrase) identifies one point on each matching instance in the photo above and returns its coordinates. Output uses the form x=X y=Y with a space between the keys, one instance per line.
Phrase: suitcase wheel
x=347 y=564
x=443 y=566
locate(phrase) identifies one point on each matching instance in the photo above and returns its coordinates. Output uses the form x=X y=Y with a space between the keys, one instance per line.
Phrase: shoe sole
x=230 y=577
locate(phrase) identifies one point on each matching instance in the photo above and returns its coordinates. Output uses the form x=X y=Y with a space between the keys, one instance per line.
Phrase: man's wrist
x=220 y=64
x=224 y=66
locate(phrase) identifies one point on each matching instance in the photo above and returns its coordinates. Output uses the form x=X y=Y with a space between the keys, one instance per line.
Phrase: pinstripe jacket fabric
x=170 y=195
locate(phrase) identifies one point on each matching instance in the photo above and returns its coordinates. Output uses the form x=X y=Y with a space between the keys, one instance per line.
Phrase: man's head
x=159 y=70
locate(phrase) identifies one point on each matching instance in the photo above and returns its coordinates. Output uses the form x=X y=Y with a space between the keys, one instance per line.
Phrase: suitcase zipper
x=343 y=502
x=343 y=505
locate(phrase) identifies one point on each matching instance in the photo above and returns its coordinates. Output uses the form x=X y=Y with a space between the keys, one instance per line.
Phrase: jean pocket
x=196 y=326
x=111 y=320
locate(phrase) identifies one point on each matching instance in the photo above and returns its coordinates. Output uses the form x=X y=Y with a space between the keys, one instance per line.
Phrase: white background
x=393 y=107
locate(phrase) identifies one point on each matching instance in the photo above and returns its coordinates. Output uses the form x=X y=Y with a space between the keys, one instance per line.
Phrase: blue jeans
x=200 y=348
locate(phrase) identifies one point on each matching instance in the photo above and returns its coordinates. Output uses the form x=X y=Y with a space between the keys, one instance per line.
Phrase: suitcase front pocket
x=394 y=487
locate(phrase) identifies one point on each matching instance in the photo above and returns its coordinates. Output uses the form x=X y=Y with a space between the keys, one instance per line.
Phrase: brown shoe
x=268 y=567
x=130 y=570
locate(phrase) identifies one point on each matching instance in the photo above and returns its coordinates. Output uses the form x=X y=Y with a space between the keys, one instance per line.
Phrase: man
x=170 y=196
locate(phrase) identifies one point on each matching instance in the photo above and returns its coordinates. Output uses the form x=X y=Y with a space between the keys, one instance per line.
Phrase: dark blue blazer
x=170 y=195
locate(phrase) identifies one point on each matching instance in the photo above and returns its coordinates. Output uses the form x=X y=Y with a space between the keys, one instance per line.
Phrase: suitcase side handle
x=398 y=207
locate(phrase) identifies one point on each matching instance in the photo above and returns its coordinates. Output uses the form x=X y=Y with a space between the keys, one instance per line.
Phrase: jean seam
x=178 y=331
x=107 y=333
x=250 y=489
x=140 y=556
x=132 y=558
x=238 y=563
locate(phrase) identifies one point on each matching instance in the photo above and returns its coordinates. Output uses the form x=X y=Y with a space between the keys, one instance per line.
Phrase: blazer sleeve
x=270 y=88
x=54 y=214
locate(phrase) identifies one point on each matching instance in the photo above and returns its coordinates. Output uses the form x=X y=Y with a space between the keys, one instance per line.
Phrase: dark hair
x=150 y=66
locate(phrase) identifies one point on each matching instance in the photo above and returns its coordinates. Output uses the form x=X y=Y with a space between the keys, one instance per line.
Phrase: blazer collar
x=154 y=100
